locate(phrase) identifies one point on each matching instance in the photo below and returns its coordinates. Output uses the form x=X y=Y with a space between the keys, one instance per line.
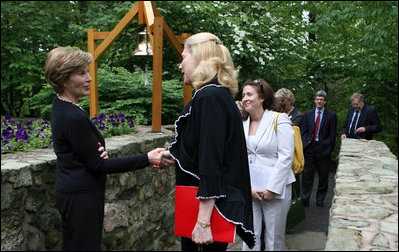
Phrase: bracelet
x=203 y=224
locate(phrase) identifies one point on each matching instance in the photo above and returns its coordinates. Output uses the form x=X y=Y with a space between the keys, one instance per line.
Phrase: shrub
x=125 y=92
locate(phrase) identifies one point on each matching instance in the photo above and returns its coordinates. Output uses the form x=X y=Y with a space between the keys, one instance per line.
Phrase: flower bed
x=33 y=134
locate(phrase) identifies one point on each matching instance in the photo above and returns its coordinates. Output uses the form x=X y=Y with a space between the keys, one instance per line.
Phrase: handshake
x=160 y=158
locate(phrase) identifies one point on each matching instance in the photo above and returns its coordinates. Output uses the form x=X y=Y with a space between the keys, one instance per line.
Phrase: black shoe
x=320 y=204
x=305 y=203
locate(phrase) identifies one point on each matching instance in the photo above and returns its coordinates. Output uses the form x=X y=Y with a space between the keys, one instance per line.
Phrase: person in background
x=81 y=169
x=209 y=147
x=361 y=121
x=296 y=116
x=318 y=136
x=279 y=104
x=270 y=156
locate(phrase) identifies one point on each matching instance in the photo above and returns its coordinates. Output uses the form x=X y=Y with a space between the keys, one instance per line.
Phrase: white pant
x=275 y=216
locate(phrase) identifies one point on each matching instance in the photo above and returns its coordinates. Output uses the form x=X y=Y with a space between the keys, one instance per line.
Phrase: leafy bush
x=125 y=92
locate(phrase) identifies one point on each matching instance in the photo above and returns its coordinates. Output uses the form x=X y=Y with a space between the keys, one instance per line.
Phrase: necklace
x=58 y=96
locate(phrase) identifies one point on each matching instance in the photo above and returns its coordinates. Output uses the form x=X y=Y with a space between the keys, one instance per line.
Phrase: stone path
x=310 y=234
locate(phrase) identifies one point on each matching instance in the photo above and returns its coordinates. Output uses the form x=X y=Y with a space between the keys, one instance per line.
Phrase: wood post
x=157 y=27
x=91 y=48
x=157 y=75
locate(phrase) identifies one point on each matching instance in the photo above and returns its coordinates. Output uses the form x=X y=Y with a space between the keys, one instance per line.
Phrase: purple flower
x=101 y=117
x=101 y=126
x=10 y=147
x=7 y=117
x=8 y=133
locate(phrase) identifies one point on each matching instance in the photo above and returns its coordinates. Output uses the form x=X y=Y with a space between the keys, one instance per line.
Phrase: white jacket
x=273 y=150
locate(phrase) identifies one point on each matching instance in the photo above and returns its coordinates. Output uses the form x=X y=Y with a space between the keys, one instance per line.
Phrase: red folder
x=186 y=214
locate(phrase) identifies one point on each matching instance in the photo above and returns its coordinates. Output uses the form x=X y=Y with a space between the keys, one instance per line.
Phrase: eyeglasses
x=257 y=82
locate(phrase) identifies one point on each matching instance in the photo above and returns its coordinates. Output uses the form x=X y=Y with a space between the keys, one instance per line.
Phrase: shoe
x=305 y=203
x=320 y=204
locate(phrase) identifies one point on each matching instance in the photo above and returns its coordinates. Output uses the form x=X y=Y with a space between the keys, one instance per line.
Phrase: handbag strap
x=294 y=191
x=275 y=121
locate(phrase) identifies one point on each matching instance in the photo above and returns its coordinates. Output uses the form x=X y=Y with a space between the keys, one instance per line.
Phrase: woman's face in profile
x=78 y=83
x=187 y=66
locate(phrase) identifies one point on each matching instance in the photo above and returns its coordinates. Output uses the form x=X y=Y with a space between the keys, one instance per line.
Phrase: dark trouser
x=315 y=162
x=82 y=220
x=188 y=245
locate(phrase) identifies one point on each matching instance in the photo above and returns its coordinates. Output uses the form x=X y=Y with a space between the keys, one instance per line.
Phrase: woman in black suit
x=81 y=170
x=209 y=147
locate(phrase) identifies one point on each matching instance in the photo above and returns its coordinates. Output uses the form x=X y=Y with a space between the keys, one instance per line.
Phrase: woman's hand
x=202 y=235
x=256 y=193
x=101 y=149
x=166 y=160
x=268 y=195
x=155 y=156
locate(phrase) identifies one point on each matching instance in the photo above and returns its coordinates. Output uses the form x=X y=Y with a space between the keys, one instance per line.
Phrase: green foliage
x=125 y=92
x=355 y=50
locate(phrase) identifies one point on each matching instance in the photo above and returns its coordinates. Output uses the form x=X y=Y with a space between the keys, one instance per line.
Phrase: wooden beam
x=181 y=39
x=116 y=31
x=172 y=40
x=100 y=35
x=149 y=20
x=157 y=75
x=141 y=20
x=148 y=14
x=176 y=42
x=93 y=98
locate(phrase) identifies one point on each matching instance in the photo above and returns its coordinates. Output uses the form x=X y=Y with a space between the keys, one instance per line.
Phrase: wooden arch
x=157 y=28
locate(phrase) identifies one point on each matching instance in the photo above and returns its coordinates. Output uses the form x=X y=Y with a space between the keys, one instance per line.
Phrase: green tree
x=355 y=48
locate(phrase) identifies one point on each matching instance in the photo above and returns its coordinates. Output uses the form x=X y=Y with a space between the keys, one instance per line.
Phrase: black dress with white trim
x=210 y=152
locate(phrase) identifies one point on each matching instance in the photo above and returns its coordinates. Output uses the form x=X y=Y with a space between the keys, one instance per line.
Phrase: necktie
x=352 y=130
x=316 y=127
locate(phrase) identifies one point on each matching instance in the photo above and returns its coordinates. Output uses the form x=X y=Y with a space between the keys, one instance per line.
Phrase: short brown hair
x=61 y=63
x=264 y=90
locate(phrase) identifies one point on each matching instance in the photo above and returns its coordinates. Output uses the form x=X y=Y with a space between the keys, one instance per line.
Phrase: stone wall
x=139 y=209
x=364 y=211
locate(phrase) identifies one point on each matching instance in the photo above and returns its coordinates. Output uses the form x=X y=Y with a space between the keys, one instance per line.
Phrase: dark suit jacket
x=296 y=117
x=327 y=131
x=368 y=119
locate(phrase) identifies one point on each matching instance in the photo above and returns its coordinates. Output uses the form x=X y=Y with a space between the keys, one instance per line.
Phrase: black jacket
x=368 y=119
x=79 y=165
x=327 y=131
x=211 y=153
x=296 y=117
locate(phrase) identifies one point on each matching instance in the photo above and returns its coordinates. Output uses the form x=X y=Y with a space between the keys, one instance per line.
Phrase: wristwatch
x=203 y=224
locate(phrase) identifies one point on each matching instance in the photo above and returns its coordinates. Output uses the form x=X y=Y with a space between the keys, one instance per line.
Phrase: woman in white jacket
x=270 y=156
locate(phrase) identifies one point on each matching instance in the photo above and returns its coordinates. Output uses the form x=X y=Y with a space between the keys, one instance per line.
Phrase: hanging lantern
x=144 y=50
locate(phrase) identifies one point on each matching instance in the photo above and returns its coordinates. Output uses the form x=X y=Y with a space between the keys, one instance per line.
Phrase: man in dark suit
x=318 y=136
x=362 y=120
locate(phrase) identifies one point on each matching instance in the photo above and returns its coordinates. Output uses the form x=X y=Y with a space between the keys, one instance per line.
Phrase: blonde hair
x=214 y=60
x=61 y=63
